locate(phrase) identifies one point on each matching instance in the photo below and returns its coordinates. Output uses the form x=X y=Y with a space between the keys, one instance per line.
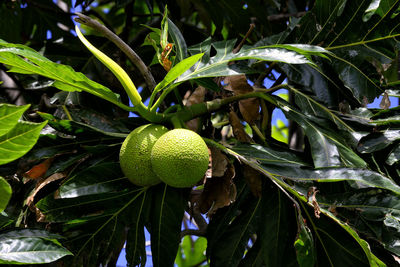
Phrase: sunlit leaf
x=218 y=65
x=100 y=178
x=22 y=59
x=304 y=245
x=394 y=155
x=5 y=193
x=378 y=141
x=17 y=142
x=9 y=116
x=27 y=246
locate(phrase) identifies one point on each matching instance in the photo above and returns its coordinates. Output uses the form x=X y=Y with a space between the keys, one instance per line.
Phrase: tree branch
x=136 y=60
x=192 y=232
x=285 y=16
x=237 y=49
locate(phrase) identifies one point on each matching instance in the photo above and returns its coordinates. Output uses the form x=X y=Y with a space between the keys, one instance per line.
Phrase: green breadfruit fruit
x=135 y=154
x=180 y=158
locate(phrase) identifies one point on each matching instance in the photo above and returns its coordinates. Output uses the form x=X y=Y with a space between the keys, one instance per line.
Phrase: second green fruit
x=180 y=158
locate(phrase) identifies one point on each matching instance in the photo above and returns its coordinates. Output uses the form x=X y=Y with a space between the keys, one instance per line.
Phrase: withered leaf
x=312 y=191
x=197 y=96
x=385 y=102
x=41 y=184
x=253 y=179
x=39 y=170
x=249 y=108
x=218 y=192
x=344 y=107
x=365 y=101
x=238 y=129
x=219 y=162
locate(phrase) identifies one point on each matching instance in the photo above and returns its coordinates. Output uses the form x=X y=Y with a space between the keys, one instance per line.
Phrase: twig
x=195 y=232
x=285 y=16
x=136 y=60
x=201 y=224
x=280 y=80
x=199 y=219
x=237 y=49
x=260 y=79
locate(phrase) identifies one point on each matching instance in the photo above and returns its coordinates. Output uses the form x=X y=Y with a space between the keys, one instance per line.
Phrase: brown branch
x=195 y=232
x=200 y=222
x=237 y=49
x=280 y=80
x=285 y=16
x=136 y=60
x=260 y=79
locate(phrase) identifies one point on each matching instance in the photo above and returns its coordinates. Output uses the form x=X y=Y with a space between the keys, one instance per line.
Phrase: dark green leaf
x=367 y=210
x=78 y=128
x=394 y=155
x=378 y=141
x=135 y=243
x=269 y=156
x=327 y=147
x=363 y=177
x=276 y=232
x=179 y=41
x=315 y=108
x=98 y=179
x=235 y=238
x=165 y=222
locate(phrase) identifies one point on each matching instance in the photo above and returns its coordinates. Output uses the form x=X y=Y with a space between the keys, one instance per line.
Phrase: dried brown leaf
x=312 y=191
x=385 y=102
x=218 y=192
x=39 y=170
x=41 y=184
x=365 y=102
x=253 y=179
x=344 y=107
x=219 y=162
x=249 y=108
x=238 y=129
x=197 y=96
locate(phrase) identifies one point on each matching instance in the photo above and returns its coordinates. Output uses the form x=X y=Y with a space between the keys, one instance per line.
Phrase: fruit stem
x=177 y=122
x=154 y=117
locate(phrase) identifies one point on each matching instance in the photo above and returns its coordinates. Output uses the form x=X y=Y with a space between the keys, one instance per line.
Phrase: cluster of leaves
x=332 y=201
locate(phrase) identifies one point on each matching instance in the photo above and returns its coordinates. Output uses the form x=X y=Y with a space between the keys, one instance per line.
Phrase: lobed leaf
x=218 y=65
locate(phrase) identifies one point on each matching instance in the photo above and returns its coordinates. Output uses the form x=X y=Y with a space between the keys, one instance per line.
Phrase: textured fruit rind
x=180 y=158
x=135 y=154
